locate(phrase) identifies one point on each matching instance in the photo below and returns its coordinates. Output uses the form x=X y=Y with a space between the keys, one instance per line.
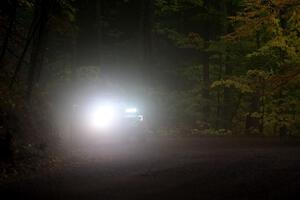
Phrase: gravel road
x=170 y=168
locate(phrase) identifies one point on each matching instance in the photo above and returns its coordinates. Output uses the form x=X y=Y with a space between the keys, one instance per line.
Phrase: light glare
x=131 y=110
x=103 y=116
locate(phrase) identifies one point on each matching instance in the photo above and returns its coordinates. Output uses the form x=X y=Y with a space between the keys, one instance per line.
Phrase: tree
x=198 y=25
x=269 y=28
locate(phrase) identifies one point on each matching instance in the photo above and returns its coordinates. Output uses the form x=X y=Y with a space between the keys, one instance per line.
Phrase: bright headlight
x=131 y=110
x=103 y=116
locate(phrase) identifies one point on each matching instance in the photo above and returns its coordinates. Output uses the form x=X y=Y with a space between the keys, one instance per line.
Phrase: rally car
x=107 y=119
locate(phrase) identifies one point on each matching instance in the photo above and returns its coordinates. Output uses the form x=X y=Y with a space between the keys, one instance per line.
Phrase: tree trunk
x=220 y=74
x=262 y=102
x=146 y=25
x=9 y=29
x=38 y=50
x=206 y=84
x=99 y=16
x=252 y=124
x=227 y=105
x=30 y=35
x=227 y=101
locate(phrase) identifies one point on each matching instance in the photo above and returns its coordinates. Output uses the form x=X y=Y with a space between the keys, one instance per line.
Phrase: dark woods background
x=195 y=66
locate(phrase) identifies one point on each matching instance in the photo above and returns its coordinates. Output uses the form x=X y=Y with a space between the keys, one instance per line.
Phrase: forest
x=207 y=67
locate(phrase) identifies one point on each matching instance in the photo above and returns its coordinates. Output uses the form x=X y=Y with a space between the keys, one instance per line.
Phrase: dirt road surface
x=170 y=168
